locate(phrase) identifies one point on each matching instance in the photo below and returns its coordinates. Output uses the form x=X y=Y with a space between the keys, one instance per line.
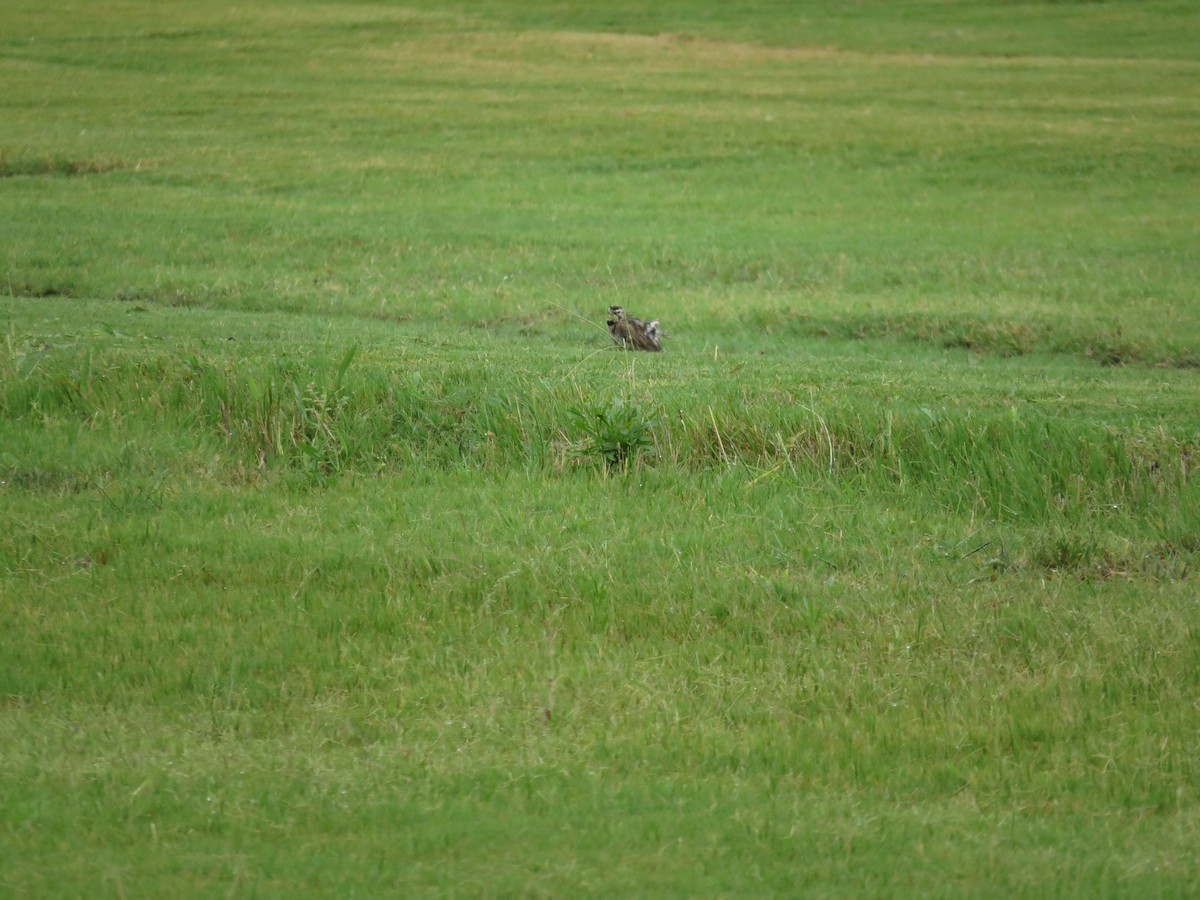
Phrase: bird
x=634 y=334
x=655 y=333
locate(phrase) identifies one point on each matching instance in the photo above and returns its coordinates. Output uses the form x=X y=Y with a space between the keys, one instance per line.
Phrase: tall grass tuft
x=320 y=417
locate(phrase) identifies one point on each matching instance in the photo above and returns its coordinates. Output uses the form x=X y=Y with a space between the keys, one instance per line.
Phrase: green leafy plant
x=616 y=431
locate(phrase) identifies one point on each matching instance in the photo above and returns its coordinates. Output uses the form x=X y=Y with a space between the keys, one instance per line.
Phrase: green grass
x=343 y=554
x=394 y=162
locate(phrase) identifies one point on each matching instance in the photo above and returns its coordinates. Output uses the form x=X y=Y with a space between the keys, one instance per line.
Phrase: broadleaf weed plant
x=616 y=431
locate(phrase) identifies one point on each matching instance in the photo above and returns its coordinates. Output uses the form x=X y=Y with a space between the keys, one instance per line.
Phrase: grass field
x=343 y=554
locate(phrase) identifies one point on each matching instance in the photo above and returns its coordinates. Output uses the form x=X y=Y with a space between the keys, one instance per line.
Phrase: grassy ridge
x=470 y=407
x=344 y=554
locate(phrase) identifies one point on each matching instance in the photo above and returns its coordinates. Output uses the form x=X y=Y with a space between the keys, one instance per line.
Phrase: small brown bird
x=634 y=334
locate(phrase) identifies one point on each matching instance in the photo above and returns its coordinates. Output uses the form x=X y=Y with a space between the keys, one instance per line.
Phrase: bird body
x=632 y=333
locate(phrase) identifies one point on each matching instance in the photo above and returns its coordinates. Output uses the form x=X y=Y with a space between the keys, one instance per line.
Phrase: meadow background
x=342 y=553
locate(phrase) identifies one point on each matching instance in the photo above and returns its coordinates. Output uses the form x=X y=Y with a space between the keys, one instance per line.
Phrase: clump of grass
x=323 y=417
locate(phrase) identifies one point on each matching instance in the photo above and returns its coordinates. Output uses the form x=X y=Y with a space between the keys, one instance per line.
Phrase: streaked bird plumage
x=632 y=333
